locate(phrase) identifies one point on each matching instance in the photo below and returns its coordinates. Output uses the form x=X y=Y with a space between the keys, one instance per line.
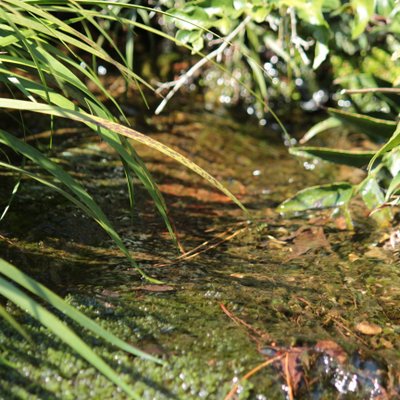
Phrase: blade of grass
x=62 y=331
x=75 y=187
x=57 y=302
x=122 y=147
x=121 y=130
x=14 y=323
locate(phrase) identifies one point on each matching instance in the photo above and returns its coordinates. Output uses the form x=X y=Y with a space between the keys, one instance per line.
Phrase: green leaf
x=190 y=18
x=75 y=187
x=391 y=160
x=373 y=197
x=322 y=126
x=309 y=11
x=376 y=128
x=15 y=324
x=363 y=11
x=318 y=197
x=359 y=159
x=125 y=151
x=393 y=187
x=393 y=142
x=194 y=38
x=321 y=34
x=218 y=7
x=260 y=14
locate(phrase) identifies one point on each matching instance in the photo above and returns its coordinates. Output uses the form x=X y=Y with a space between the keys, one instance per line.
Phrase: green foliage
x=359 y=159
x=301 y=34
x=383 y=165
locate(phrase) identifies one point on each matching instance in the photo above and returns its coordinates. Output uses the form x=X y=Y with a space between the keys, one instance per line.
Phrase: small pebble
x=368 y=328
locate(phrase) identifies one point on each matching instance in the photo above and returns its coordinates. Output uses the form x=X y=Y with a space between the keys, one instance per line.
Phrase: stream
x=306 y=307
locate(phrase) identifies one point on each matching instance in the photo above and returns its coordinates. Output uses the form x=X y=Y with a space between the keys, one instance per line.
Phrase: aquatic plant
x=379 y=188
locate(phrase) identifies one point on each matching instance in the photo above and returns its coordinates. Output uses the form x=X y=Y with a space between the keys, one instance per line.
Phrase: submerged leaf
x=309 y=239
x=318 y=198
x=368 y=328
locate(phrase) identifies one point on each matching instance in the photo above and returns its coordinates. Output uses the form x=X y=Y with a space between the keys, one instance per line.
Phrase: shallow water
x=295 y=289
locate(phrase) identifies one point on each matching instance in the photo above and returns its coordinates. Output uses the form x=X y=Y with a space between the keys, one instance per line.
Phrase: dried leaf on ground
x=292 y=365
x=310 y=239
x=332 y=349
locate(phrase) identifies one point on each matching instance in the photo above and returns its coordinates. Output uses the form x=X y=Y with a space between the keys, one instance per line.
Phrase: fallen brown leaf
x=311 y=239
x=292 y=366
x=379 y=253
x=332 y=349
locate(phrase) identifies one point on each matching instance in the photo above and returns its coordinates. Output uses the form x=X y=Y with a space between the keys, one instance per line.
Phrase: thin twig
x=205 y=246
x=259 y=336
x=250 y=374
x=287 y=376
x=188 y=74
x=371 y=90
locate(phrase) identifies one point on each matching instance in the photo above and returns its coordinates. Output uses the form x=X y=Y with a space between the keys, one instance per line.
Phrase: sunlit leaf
x=363 y=11
x=321 y=48
x=374 y=127
x=359 y=159
x=121 y=130
x=190 y=18
x=373 y=197
x=393 y=142
x=393 y=187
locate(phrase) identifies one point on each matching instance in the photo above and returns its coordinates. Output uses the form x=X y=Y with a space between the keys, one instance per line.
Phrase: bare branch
x=189 y=73
x=371 y=90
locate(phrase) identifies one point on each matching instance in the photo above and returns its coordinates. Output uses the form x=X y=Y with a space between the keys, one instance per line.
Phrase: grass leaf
x=121 y=130
x=61 y=330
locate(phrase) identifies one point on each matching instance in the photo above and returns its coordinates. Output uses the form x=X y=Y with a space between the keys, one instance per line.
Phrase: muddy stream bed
x=310 y=310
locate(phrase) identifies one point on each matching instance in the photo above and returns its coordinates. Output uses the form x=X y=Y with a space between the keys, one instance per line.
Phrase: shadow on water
x=306 y=284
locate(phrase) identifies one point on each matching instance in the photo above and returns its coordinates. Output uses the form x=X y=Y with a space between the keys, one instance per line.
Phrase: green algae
x=319 y=295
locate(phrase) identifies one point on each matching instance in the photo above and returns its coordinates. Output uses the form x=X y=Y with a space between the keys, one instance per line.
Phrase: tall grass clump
x=49 y=52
